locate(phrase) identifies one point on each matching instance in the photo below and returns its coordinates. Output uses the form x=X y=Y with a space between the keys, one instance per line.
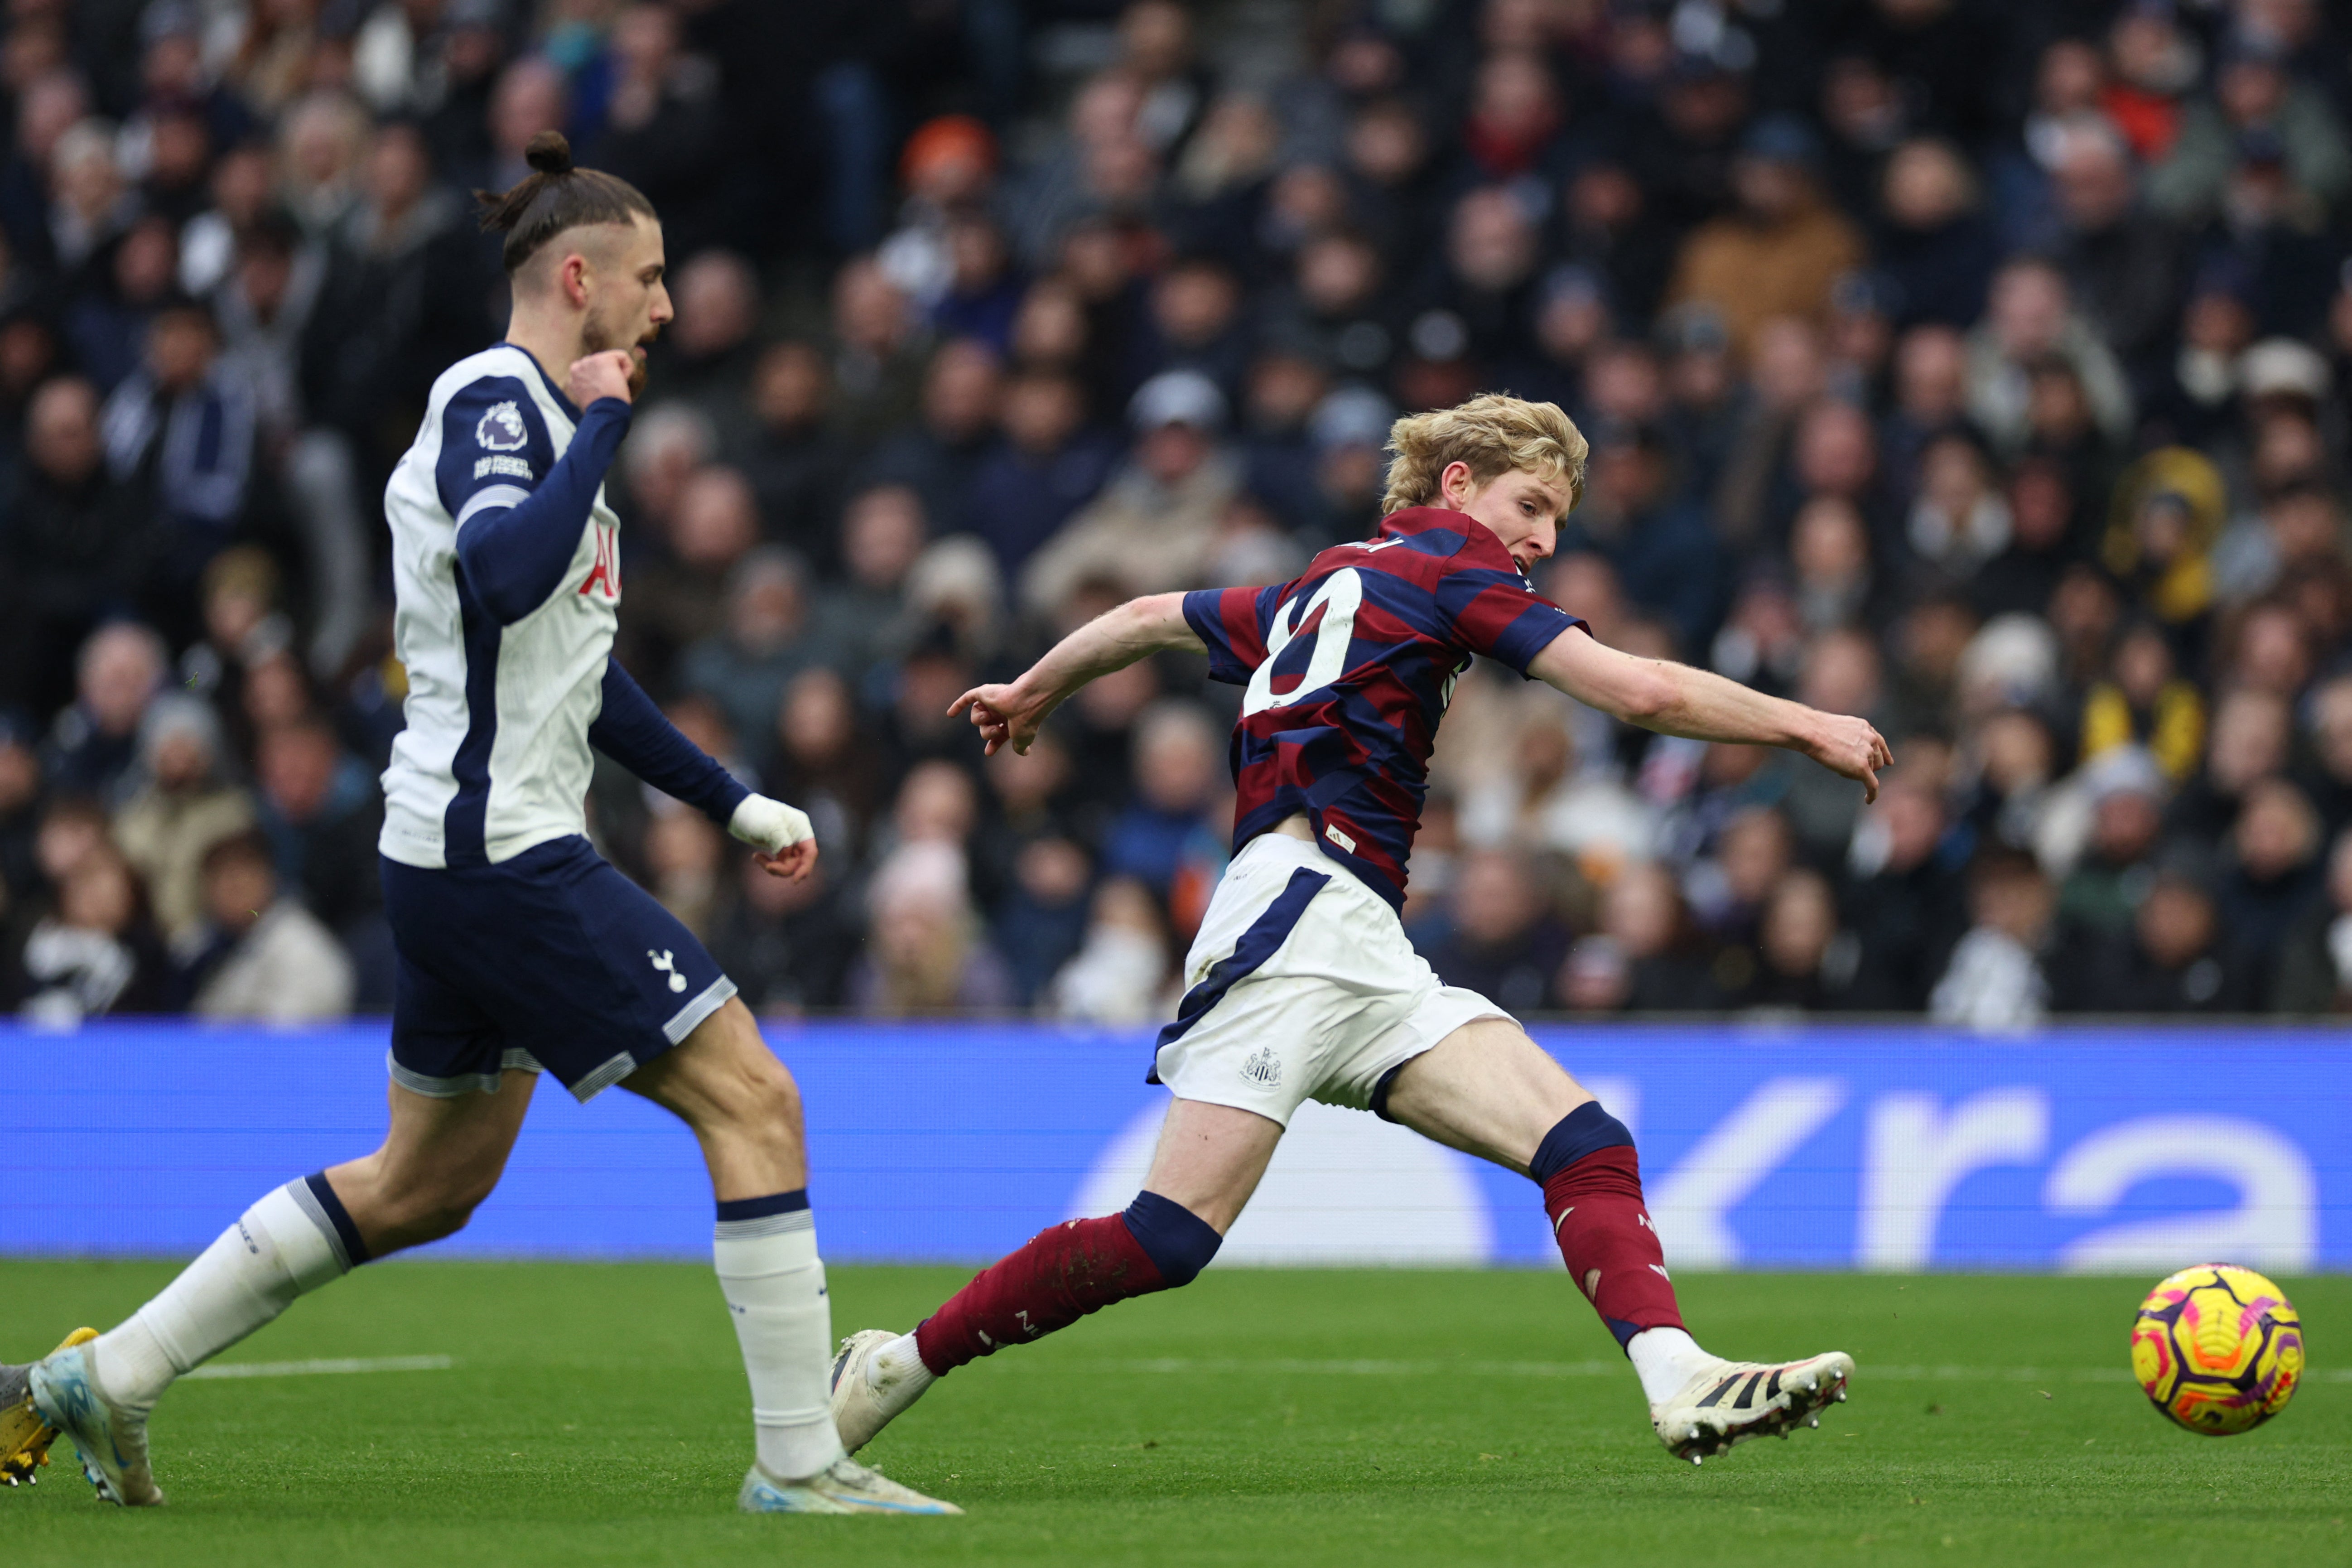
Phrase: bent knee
x=761 y=1096
x=434 y=1210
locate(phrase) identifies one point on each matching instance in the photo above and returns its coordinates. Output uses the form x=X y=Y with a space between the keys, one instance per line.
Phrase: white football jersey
x=495 y=757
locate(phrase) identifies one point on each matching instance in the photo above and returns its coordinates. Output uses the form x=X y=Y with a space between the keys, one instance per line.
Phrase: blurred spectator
x=1997 y=984
x=685 y=855
x=1166 y=840
x=709 y=355
x=1905 y=899
x=683 y=598
x=925 y=953
x=72 y=544
x=1119 y=975
x=320 y=812
x=1657 y=541
x=2177 y=957
x=181 y=808
x=1548 y=797
x=2248 y=743
x=823 y=763
x=788 y=945
x=184 y=434
x=1938 y=248
x=1047 y=466
x=2124 y=790
x=866 y=619
x=1960 y=520
x=2032 y=317
x=2123 y=263
x=94 y=950
x=1044 y=919
x=2255 y=94
x=2273 y=871
x=2327 y=777
x=2144 y=701
x=788 y=454
x=2314 y=975
x=1804 y=962
x=261 y=955
x=877 y=364
x=1150 y=530
x=939 y=459
x=663 y=130
x=92 y=744
x=2167 y=515
x=1648 y=956
x=767 y=642
x=1505 y=944
x=1777 y=255
x=2021 y=578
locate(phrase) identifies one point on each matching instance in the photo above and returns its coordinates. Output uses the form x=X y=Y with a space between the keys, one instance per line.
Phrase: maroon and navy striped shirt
x=1349 y=667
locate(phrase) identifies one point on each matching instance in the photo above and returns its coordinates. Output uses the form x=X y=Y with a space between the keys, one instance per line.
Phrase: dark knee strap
x=1585 y=1131
x=1179 y=1242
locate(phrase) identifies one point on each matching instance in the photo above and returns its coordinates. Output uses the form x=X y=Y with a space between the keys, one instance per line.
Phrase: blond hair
x=1495 y=434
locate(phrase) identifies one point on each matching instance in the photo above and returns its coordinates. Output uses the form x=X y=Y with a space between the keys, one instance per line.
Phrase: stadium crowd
x=1977 y=366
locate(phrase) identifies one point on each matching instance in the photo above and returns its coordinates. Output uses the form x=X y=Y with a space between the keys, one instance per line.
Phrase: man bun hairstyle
x=554 y=198
x=1495 y=433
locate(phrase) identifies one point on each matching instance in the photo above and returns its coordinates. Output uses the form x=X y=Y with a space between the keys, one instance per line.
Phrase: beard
x=597 y=335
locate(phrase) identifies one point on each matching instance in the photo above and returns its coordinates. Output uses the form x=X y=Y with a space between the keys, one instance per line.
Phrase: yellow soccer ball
x=2218 y=1348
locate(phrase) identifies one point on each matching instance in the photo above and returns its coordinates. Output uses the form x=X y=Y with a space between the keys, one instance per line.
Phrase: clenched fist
x=605 y=374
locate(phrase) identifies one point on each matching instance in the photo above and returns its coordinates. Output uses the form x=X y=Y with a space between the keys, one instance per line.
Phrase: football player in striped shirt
x=1302 y=984
x=520 y=953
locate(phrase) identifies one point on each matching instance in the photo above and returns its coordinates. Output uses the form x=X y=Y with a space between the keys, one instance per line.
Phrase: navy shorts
x=551 y=961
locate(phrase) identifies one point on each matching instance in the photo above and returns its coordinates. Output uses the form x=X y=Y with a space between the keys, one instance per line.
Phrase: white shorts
x=1301 y=986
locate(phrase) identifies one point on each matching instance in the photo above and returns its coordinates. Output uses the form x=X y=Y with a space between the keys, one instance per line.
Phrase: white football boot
x=1733 y=1401
x=111 y=1440
x=844 y=1487
x=865 y=1396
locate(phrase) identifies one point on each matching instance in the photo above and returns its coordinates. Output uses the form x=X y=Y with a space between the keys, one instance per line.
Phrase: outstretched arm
x=1676 y=699
x=1012 y=714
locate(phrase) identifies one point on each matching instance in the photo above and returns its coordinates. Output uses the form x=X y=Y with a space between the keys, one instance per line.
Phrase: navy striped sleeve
x=1495 y=613
x=519 y=510
x=1232 y=623
x=640 y=737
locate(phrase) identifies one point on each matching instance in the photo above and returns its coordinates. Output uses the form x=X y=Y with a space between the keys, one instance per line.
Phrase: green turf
x=598 y=1414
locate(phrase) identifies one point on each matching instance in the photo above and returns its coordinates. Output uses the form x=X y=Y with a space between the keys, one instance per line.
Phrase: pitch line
x=324 y=1368
x=1865 y=1372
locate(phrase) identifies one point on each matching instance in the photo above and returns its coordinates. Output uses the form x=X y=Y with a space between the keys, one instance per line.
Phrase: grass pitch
x=598 y=1414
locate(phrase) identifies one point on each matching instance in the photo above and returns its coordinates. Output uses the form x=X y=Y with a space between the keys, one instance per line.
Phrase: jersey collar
x=544 y=379
x=1477 y=542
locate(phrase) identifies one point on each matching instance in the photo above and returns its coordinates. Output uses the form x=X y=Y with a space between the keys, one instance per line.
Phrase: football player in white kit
x=521 y=952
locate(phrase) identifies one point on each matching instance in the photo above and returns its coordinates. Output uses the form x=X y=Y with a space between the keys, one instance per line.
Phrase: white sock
x=899 y=1361
x=1666 y=1359
x=775 y=1292
x=279 y=1248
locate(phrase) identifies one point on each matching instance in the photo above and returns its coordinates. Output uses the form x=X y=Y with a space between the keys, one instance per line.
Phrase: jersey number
x=1339 y=597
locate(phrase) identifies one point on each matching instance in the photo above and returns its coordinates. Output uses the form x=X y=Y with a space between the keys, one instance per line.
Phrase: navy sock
x=1179 y=1242
x=1582 y=1131
x=355 y=1251
x=792 y=1202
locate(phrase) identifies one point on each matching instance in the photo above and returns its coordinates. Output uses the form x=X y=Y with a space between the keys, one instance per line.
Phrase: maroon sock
x=1605 y=1236
x=1064 y=1273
